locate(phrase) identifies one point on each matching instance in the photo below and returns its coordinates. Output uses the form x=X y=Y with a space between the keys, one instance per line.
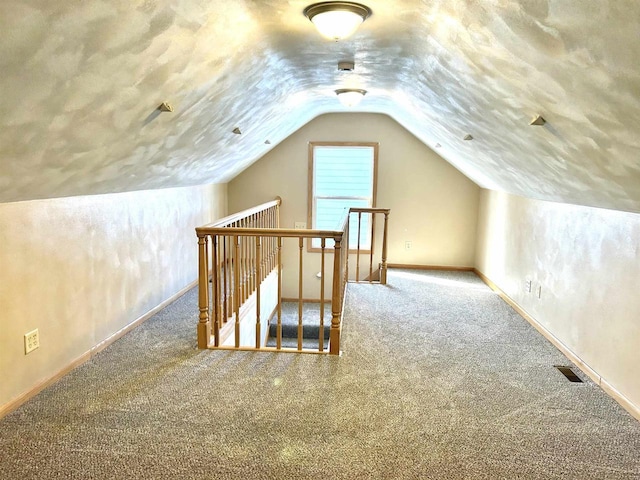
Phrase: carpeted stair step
x=307 y=343
x=310 y=321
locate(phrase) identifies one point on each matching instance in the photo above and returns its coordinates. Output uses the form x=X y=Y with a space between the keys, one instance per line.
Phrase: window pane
x=343 y=177
x=329 y=215
x=343 y=171
x=330 y=211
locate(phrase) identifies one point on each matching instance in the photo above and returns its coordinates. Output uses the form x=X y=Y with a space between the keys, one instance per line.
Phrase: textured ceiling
x=81 y=79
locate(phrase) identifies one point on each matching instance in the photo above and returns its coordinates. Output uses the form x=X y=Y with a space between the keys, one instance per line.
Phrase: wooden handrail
x=235 y=217
x=369 y=210
x=269 y=232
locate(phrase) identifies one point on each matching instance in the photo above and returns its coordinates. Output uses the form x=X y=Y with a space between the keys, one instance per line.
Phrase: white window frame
x=311 y=203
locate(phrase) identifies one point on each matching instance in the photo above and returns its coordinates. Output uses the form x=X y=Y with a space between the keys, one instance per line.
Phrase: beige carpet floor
x=439 y=379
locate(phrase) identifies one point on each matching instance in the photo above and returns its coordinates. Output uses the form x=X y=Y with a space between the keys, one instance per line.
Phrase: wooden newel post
x=204 y=326
x=383 y=269
x=336 y=300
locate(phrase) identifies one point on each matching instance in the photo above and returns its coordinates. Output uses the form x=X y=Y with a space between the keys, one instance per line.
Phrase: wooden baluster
x=270 y=244
x=204 y=326
x=383 y=271
x=232 y=267
x=256 y=274
x=253 y=273
x=273 y=248
x=248 y=260
x=221 y=293
x=345 y=268
x=336 y=306
x=266 y=246
x=274 y=259
x=346 y=240
x=236 y=260
x=258 y=269
x=358 y=249
x=321 y=339
x=239 y=260
x=265 y=257
x=236 y=287
x=252 y=259
x=250 y=244
x=226 y=265
x=300 y=332
x=259 y=224
x=246 y=245
x=373 y=225
x=243 y=259
x=215 y=280
x=279 y=326
x=275 y=224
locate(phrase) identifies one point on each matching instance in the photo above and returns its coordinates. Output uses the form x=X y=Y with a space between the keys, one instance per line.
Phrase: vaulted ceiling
x=81 y=80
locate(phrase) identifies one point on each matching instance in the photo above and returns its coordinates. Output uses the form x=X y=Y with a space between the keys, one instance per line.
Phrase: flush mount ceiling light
x=337 y=20
x=350 y=97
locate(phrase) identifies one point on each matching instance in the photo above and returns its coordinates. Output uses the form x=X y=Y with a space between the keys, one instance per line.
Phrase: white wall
x=432 y=204
x=587 y=261
x=81 y=268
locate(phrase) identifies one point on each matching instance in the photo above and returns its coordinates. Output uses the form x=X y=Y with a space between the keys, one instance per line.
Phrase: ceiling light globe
x=337 y=25
x=337 y=20
x=350 y=97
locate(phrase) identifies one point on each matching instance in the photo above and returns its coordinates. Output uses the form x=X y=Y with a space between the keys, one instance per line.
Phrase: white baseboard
x=13 y=404
x=627 y=404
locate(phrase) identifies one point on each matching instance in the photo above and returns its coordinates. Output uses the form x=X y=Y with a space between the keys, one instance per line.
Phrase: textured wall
x=587 y=262
x=81 y=268
x=81 y=82
x=432 y=204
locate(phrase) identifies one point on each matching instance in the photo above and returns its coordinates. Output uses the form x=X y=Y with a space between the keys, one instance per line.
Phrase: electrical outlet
x=527 y=286
x=31 y=341
x=407 y=245
x=300 y=225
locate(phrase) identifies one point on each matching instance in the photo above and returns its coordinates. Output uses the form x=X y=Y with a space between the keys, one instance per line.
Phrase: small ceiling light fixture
x=165 y=107
x=350 y=97
x=468 y=136
x=346 y=65
x=438 y=145
x=237 y=131
x=538 y=121
x=337 y=20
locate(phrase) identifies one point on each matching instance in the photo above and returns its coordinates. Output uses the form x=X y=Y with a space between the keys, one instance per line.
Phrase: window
x=341 y=176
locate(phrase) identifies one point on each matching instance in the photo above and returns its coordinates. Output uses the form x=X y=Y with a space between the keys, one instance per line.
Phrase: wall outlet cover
x=31 y=341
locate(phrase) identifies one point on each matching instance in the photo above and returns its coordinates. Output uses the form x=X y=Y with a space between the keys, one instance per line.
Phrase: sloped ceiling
x=81 y=80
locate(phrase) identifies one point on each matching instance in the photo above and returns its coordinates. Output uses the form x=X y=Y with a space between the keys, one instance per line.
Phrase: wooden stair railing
x=231 y=280
x=240 y=278
x=243 y=252
x=356 y=214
